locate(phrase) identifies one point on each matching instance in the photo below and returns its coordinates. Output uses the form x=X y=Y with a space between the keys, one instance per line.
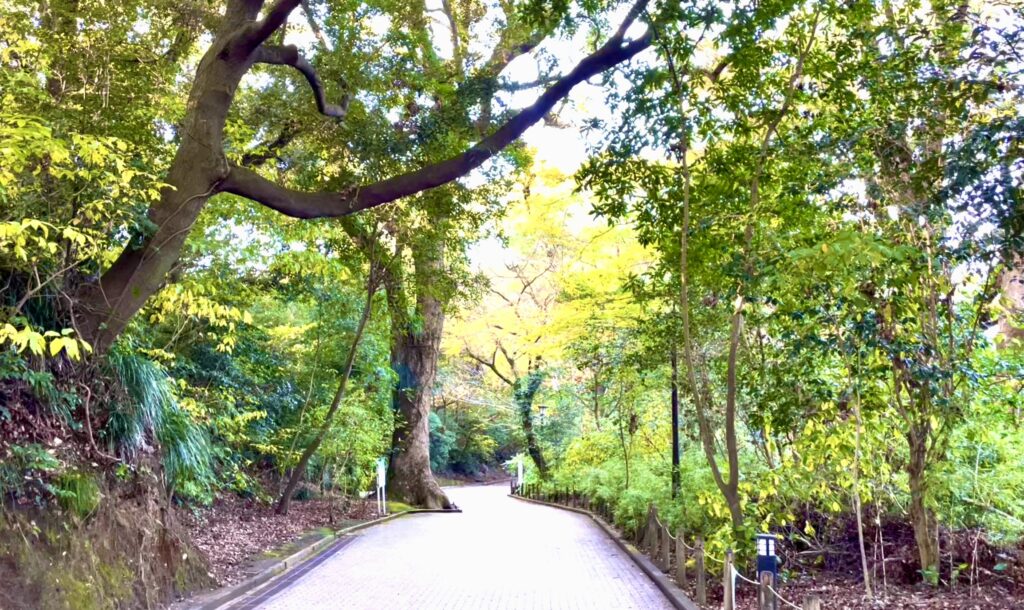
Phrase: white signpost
x=382 y=474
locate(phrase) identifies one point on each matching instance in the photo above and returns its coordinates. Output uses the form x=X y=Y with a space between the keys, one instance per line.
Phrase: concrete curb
x=675 y=595
x=221 y=598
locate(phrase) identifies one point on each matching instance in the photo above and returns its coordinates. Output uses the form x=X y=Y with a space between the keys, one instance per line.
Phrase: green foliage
x=442 y=440
x=25 y=473
x=148 y=411
x=463 y=440
x=850 y=174
x=77 y=492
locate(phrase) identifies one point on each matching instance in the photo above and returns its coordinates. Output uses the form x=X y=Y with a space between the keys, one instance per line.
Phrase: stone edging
x=675 y=595
x=222 y=597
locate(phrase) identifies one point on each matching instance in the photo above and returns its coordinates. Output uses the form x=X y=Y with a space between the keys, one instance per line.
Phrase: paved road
x=499 y=553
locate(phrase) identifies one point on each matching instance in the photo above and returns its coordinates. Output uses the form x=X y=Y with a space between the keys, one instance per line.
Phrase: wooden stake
x=728 y=603
x=765 y=597
x=702 y=594
x=666 y=549
x=680 y=559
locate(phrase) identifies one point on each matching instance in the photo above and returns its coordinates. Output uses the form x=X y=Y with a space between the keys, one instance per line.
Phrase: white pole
x=382 y=473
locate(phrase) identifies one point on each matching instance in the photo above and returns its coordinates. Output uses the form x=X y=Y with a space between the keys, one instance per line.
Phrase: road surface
x=498 y=553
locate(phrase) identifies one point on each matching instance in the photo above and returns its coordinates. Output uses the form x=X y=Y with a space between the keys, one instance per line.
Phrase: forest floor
x=840 y=593
x=843 y=592
x=235 y=533
x=835 y=576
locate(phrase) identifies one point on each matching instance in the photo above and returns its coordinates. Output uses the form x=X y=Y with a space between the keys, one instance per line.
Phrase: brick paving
x=498 y=553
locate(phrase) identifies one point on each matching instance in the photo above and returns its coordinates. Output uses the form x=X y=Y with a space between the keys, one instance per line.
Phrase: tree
x=298 y=471
x=201 y=168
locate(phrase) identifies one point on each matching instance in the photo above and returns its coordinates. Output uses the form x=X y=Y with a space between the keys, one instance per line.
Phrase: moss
x=126 y=554
x=397 y=507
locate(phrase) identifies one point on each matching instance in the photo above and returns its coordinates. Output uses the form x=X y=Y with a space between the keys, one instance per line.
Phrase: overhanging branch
x=332 y=204
x=289 y=56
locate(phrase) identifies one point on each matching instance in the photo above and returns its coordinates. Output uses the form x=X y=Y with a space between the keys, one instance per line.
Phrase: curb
x=220 y=598
x=675 y=595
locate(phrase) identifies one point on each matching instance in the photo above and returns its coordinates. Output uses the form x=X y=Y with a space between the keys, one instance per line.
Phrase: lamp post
x=543 y=409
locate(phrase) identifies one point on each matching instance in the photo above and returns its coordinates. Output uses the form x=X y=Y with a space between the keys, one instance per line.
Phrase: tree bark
x=921 y=517
x=198 y=168
x=856 y=491
x=414 y=353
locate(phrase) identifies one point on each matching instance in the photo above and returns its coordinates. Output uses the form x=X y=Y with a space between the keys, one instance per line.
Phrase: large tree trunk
x=198 y=168
x=524 y=391
x=414 y=352
x=921 y=517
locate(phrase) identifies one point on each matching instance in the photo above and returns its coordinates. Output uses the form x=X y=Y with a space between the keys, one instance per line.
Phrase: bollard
x=728 y=603
x=680 y=559
x=702 y=593
x=813 y=602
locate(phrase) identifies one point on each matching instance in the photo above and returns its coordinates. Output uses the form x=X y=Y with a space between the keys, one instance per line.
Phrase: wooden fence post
x=813 y=602
x=728 y=603
x=644 y=539
x=653 y=535
x=680 y=559
x=702 y=594
x=765 y=597
x=666 y=549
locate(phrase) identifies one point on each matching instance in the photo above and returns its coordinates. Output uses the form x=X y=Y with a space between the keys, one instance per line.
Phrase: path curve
x=498 y=553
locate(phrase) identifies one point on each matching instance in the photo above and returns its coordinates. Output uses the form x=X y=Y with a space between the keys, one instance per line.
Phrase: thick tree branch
x=639 y=7
x=258 y=33
x=491 y=364
x=289 y=56
x=325 y=204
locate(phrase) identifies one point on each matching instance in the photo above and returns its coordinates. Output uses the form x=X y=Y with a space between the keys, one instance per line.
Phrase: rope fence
x=763 y=585
x=670 y=552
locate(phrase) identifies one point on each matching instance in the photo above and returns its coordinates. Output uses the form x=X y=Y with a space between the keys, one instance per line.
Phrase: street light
x=543 y=412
